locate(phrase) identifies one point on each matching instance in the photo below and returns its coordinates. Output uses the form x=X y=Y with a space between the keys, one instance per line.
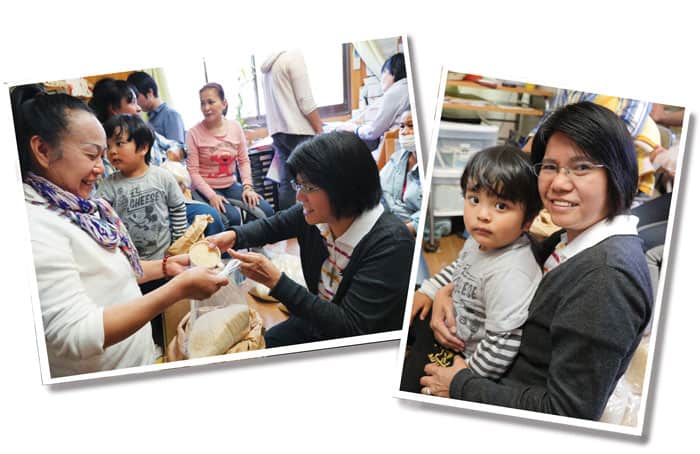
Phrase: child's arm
x=423 y=297
x=177 y=210
x=495 y=353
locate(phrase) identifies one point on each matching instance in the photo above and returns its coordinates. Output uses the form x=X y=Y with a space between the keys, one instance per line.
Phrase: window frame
x=335 y=110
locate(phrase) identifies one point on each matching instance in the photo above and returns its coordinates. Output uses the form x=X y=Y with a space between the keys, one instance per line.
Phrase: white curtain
x=374 y=53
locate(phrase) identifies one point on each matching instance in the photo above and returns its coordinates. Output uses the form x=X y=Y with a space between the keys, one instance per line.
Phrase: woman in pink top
x=215 y=146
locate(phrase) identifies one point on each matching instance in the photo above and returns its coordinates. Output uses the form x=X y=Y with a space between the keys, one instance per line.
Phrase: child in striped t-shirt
x=494 y=278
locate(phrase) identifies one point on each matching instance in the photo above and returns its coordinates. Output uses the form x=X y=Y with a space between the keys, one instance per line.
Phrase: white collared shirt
x=623 y=224
x=340 y=250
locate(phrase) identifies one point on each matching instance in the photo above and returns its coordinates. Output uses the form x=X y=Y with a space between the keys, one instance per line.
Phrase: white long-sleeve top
x=394 y=102
x=76 y=279
x=287 y=94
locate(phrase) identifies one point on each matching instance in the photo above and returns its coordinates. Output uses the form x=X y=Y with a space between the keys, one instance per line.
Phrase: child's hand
x=421 y=303
x=443 y=320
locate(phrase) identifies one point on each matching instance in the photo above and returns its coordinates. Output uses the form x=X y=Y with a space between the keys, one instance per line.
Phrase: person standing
x=291 y=113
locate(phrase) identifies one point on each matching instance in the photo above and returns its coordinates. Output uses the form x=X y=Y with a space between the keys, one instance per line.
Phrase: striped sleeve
x=441 y=279
x=178 y=220
x=495 y=353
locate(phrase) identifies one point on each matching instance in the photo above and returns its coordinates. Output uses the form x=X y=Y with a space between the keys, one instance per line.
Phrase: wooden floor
x=448 y=251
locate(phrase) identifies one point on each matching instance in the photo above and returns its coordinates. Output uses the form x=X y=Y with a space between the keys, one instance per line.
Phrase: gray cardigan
x=585 y=322
x=372 y=294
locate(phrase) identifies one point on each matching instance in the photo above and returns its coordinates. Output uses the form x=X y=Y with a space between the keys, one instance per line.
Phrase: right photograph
x=545 y=246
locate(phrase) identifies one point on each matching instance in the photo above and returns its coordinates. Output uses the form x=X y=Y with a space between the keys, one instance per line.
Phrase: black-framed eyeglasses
x=577 y=170
x=303 y=187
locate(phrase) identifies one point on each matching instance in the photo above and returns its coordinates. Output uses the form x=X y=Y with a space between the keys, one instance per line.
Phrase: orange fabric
x=387 y=147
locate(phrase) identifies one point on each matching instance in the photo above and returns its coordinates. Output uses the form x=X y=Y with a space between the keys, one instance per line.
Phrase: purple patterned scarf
x=107 y=229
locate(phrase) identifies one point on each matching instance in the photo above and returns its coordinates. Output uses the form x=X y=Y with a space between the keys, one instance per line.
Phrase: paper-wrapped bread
x=215 y=332
x=193 y=234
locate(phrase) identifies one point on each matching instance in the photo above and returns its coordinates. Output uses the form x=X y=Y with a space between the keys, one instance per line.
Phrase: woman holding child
x=594 y=301
x=87 y=268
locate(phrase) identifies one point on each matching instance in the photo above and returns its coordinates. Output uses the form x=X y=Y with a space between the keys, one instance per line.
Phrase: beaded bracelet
x=164 y=263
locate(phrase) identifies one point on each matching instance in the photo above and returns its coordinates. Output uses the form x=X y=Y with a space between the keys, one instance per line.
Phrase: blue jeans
x=284 y=144
x=233 y=216
x=195 y=208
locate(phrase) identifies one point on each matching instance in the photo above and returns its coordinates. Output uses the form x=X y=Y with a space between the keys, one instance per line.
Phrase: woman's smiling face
x=575 y=203
x=81 y=149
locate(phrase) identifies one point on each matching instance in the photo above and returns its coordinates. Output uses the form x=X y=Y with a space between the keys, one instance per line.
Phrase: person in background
x=87 y=269
x=164 y=119
x=290 y=111
x=216 y=146
x=394 y=102
x=194 y=207
x=400 y=178
x=113 y=97
x=356 y=257
x=594 y=301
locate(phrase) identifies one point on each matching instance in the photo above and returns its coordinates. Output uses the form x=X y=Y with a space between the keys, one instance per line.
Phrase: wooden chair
x=387 y=147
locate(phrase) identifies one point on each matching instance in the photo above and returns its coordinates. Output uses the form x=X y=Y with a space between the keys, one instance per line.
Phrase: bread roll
x=201 y=255
x=213 y=333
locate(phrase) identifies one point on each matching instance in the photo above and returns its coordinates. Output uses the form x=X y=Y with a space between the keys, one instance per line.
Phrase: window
x=239 y=74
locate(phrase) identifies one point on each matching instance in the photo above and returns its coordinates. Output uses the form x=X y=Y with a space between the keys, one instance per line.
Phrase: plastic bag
x=289 y=265
x=220 y=318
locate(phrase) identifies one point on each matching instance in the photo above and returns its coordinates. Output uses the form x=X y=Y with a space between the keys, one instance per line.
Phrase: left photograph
x=219 y=208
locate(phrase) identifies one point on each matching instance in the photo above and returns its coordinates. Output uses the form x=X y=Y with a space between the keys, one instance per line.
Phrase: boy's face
x=493 y=222
x=124 y=155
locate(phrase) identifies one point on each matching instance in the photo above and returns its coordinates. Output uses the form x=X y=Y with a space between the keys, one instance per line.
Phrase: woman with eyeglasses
x=87 y=269
x=356 y=258
x=594 y=301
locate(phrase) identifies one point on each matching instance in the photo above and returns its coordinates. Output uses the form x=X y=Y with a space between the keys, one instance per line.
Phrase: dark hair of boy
x=505 y=172
x=341 y=164
x=131 y=127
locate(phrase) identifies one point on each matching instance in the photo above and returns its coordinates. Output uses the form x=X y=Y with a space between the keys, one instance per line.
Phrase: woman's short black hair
x=341 y=164
x=219 y=91
x=396 y=66
x=37 y=113
x=505 y=172
x=108 y=93
x=134 y=128
x=602 y=136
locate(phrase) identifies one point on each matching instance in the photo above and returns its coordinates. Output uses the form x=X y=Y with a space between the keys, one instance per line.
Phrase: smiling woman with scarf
x=87 y=269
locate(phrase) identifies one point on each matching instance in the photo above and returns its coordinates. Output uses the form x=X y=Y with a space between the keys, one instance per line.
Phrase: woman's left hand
x=258 y=268
x=177 y=264
x=250 y=197
x=437 y=380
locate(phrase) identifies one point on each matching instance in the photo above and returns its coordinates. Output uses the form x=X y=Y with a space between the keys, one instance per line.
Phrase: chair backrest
x=654 y=210
x=387 y=147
